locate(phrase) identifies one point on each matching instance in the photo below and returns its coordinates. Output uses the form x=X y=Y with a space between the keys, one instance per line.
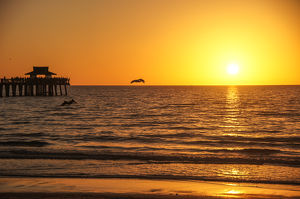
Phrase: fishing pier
x=35 y=85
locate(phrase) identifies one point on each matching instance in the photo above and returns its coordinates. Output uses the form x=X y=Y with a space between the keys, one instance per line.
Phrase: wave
x=188 y=128
x=251 y=151
x=158 y=177
x=20 y=122
x=24 y=143
x=183 y=105
x=247 y=156
x=40 y=134
x=192 y=139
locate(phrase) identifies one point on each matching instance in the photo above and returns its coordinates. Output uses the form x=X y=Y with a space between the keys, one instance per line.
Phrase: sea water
x=211 y=133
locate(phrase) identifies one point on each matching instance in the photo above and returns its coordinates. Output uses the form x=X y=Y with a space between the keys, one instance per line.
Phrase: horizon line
x=186 y=85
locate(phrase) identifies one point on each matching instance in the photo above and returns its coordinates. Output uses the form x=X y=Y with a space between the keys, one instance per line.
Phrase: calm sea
x=211 y=133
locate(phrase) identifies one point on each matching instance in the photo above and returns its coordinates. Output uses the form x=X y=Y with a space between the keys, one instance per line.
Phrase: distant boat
x=137 y=80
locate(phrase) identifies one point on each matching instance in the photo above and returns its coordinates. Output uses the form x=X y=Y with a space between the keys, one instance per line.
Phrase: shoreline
x=16 y=187
x=80 y=195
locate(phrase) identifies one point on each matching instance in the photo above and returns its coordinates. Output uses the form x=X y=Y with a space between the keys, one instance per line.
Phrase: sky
x=165 y=42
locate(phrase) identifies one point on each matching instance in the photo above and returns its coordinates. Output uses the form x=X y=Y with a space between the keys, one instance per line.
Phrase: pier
x=35 y=85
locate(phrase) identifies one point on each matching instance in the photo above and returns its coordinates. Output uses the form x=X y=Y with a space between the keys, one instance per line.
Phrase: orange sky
x=165 y=42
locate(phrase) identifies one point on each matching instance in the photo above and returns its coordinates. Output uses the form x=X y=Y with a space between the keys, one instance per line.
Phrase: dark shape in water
x=24 y=144
x=69 y=102
x=138 y=80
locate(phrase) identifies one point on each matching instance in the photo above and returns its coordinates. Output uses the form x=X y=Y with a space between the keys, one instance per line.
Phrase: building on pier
x=40 y=83
x=40 y=70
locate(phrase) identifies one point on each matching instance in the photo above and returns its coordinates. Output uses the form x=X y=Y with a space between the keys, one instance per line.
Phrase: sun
x=233 y=69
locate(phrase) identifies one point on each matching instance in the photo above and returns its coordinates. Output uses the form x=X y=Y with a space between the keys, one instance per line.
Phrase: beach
x=136 y=188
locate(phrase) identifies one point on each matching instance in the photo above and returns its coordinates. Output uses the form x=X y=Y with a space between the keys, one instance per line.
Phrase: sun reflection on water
x=233 y=99
x=232 y=109
x=233 y=173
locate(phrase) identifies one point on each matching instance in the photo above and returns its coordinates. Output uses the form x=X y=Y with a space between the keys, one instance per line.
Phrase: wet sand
x=122 y=196
x=134 y=188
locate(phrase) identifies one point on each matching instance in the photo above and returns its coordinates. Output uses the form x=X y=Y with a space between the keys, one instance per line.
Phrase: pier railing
x=39 y=86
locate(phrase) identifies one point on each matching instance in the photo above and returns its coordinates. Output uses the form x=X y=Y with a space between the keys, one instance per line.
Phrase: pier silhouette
x=34 y=85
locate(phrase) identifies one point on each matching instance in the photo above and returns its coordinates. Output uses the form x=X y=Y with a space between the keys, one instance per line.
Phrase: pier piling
x=33 y=85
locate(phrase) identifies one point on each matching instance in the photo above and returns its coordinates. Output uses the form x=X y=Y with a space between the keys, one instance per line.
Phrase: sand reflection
x=157 y=187
x=231 y=193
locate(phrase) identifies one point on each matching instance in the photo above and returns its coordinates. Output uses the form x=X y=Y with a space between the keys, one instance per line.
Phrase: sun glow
x=233 y=69
x=165 y=43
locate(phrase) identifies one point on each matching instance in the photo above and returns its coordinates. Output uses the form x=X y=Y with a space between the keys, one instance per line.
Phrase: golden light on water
x=232 y=102
x=234 y=173
x=232 y=97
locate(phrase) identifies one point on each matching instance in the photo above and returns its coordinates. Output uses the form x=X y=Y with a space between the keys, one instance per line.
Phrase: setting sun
x=164 y=43
x=233 y=69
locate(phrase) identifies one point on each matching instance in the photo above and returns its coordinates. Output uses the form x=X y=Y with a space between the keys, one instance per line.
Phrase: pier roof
x=40 y=70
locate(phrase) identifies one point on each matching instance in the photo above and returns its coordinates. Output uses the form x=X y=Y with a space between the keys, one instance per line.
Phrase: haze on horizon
x=169 y=42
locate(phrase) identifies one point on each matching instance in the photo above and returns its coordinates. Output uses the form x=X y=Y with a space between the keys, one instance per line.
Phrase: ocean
x=200 y=133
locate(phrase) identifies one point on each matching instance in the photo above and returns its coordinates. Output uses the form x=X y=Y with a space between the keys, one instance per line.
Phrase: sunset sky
x=165 y=42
